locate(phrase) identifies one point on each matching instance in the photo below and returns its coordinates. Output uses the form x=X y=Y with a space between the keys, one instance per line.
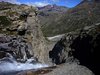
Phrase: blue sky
x=68 y=3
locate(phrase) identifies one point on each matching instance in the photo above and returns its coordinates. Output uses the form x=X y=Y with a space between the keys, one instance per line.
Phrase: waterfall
x=16 y=55
x=9 y=64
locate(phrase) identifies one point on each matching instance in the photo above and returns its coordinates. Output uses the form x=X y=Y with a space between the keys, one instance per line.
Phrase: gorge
x=69 y=47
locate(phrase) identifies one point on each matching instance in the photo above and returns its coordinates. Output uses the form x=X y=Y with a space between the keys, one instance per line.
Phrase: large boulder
x=61 y=50
x=81 y=46
x=86 y=48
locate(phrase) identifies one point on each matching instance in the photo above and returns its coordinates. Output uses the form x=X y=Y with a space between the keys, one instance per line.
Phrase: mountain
x=53 y=8
x=50 y=14
x=84 y=14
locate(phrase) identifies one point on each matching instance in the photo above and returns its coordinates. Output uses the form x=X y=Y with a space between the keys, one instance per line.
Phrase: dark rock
x=86 y=50
x=9 y=29
x=16 y=46
x=22 y=32
x=57 y=54
x=82 y=45
x=2 y=55
x=24 y=16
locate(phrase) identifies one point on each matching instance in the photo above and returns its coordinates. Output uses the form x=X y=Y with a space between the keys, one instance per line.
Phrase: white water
x=17 y=66
x=55 y=38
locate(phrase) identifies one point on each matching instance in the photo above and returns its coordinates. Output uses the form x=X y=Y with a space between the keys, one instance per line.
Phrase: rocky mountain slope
x=20 y=32
x=53 y=9
x=84 y=14
x=50 y=14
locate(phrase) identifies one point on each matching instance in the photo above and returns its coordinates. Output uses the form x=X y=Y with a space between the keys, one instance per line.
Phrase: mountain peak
x=90 y=1
x=53 y=8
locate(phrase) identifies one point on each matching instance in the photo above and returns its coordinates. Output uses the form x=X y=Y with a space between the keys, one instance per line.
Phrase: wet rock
x=17 y=47
x=3 y=38
x=2 y=55
x=6 y=60
x=41 y=71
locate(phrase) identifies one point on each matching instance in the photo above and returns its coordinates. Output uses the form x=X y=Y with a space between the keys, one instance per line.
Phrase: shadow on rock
x=86 y=49
x=58 y=53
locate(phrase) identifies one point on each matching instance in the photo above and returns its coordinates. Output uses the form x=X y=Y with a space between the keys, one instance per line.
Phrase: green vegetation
x=6 y=5
x=11 y=13
x=75 y=18
x=4 y=21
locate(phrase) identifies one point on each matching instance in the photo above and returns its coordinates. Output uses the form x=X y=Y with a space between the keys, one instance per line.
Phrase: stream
x=9 y=66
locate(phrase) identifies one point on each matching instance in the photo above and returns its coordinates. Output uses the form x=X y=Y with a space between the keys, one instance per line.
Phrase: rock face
x=17 y=46
x=82 y=46
x=86 y=48
x=22 y=37
x=61 y=50
x=38 y=43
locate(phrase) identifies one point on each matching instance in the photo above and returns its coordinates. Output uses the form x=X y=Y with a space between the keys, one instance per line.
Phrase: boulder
x=86 y=48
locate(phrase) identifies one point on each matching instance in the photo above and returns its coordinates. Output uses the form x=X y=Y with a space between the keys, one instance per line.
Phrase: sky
x=40 y=3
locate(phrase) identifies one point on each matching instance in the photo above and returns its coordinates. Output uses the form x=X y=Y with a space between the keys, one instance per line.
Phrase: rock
x=86 y=48
x=25 y=24
x=2 y=55
x=70 y=69
x=65 y=69
x=56 y=53
x=80 y=47
x=61 y=50
x=7 y=60
x=17 y=46
x=36 y=38
x=41 y=71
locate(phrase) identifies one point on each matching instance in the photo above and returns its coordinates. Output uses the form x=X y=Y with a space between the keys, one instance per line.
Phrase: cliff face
x=37 y=38
x=81 y=46
x=21 y=25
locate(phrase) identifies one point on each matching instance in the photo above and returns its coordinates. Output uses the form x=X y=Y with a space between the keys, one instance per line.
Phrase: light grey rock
x=70 y=69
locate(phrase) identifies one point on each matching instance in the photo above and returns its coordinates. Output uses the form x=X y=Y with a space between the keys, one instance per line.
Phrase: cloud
x=37 y=4
x=11 y=1
x=58 y=0
x=55 y=0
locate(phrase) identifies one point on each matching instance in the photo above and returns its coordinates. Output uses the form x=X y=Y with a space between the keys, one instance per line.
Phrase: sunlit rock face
x=22 y=38
x=38 y=43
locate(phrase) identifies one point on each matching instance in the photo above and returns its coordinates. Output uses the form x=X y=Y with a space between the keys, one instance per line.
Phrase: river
x=9 y=66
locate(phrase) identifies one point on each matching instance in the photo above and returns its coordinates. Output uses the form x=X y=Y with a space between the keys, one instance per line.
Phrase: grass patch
x=4 y=21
